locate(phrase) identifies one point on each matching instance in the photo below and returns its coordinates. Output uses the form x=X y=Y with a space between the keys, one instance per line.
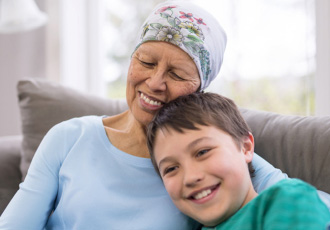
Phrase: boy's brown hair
x=207 y=109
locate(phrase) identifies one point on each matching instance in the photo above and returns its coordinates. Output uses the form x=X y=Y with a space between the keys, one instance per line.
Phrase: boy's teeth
x=152 y=102
x=202 y=194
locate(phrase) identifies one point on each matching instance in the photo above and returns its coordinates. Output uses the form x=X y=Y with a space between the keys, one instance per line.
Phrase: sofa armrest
x=10 y=174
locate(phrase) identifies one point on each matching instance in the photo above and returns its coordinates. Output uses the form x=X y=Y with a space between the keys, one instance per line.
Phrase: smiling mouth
x=204 y=193
x=150 y=101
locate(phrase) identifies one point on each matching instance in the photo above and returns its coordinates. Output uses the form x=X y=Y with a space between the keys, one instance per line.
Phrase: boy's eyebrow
x=166 y=159
x=195 y=142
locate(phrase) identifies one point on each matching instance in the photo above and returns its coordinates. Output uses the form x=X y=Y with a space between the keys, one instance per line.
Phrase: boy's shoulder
x=288 y=186
x=288 y=192
x=288 y=204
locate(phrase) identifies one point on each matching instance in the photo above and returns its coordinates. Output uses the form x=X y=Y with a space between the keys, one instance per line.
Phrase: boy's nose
x=192 y=176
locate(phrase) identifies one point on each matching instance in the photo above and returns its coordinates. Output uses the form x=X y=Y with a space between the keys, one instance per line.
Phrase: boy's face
x=204 y=172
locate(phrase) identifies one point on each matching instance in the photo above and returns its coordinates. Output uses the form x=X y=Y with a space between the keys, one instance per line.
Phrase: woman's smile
x=150 y=102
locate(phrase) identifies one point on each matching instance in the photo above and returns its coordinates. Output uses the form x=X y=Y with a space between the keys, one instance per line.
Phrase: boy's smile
x=203 y=193
x=205 y=172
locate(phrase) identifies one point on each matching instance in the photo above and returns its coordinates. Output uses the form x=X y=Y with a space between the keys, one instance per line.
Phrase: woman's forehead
x=165 y=50
x=158 y=47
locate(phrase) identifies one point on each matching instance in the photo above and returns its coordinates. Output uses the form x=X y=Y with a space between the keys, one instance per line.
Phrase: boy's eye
x=202 y=152
x=169 y=169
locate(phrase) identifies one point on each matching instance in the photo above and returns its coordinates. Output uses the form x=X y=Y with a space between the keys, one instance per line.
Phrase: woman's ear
x=248 y=148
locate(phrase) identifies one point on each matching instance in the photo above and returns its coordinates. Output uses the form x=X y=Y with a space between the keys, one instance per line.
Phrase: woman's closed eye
x=147 y=64
x=176 y=77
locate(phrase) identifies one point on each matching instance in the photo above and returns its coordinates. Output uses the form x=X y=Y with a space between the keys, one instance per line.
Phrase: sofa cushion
x=43 y=104
x=298 y=145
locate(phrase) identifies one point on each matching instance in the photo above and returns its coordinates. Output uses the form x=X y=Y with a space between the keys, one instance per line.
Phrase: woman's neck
x=127 y=134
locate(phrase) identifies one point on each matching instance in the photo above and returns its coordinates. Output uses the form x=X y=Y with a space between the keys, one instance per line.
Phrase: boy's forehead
x=163 y=142
x=163 y=135
x=165 y=131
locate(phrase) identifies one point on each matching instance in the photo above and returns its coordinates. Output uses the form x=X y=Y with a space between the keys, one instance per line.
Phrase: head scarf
x=192 y=29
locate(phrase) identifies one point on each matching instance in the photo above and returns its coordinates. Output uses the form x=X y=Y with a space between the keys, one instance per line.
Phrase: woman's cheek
x=190 y=87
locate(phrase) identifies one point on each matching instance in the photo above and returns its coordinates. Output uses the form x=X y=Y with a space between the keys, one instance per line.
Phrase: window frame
x=322 y=75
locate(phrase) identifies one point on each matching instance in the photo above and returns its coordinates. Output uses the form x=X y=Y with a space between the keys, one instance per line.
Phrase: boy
x=201 y=147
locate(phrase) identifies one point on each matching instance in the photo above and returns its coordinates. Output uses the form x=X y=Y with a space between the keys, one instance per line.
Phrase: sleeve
x=34 y=201
x=265 y=174
x=325 y=197
x=295 y=205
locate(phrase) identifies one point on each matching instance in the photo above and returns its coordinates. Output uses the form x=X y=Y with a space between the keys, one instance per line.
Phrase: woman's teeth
x=147 y=100
x=202 y=194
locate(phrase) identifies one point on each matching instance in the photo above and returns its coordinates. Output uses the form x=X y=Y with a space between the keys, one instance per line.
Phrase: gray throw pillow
x=44 y=104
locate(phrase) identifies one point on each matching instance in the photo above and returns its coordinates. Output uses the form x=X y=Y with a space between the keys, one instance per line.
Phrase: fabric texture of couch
x=298 y=145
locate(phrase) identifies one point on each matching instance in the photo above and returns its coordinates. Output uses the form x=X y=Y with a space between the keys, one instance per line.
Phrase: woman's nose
x=157 y=80
x=192 y=176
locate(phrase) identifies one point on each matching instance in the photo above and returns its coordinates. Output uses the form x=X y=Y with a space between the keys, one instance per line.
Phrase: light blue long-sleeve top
x=79 y=180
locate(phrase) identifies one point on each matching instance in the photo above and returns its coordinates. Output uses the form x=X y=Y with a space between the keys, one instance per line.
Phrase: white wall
x=21 y=55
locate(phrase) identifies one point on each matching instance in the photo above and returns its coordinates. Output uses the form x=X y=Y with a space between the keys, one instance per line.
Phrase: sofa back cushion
x=298 y=145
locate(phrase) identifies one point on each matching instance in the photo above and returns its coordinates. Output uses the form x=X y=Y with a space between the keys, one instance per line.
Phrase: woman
x=95 y=172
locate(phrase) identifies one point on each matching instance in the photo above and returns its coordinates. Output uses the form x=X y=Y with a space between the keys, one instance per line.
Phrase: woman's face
x=159 y=72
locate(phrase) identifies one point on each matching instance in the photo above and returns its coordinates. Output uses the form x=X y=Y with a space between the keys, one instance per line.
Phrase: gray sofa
x=299 y=146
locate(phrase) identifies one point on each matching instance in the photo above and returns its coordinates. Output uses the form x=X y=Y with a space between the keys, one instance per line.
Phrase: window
x=269 y=62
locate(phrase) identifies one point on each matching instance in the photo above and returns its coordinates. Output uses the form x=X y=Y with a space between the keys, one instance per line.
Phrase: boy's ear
x=248 y=148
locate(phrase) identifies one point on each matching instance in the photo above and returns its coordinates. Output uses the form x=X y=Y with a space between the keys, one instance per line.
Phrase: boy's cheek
x=172 y=187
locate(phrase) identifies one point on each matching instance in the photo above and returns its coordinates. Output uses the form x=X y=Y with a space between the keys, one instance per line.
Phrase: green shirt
x=289 y=204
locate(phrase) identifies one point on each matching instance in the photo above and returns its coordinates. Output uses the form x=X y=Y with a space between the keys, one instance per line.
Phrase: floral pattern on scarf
x=181 y=31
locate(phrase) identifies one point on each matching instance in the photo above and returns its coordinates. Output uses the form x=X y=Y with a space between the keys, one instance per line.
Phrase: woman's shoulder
x=64 y=135
x=79 y=123
x=70 y=130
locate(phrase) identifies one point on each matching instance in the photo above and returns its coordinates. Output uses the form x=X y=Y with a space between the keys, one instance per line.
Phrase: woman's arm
x=34 y=201
x=265 y=174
